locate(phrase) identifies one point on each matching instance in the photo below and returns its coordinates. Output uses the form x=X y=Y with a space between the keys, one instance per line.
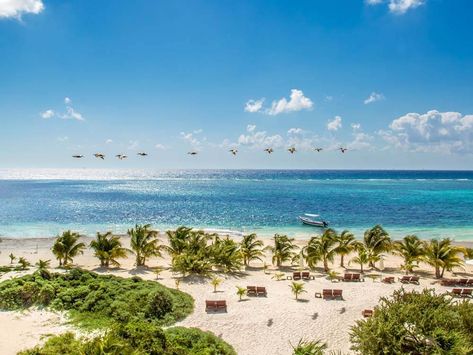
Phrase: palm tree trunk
x=342 y=264
x=325 y=265
x=361 y=267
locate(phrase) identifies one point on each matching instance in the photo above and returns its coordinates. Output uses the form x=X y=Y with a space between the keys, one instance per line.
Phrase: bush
x=195 y=341
x=416 y=323
x=159 y=304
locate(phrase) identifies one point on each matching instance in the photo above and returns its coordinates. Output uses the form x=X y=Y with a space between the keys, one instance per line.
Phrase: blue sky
x=388 y=79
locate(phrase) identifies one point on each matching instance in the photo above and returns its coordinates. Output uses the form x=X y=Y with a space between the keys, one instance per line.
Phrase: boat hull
x=320 y=224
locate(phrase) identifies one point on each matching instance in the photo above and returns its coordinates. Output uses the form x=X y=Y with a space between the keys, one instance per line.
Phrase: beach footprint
x=270 y=322
x=343 y=310
x=315 y=316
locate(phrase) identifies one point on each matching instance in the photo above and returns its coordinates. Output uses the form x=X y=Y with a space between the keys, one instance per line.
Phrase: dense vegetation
x=132 y=310
x=416 y=323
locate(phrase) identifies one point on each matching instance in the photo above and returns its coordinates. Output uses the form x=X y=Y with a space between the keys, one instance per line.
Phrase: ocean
x=43 y=203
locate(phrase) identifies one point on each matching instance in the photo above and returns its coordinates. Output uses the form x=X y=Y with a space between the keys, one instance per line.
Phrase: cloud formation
x=18 y=8
x=398 y=7
x=47 y=114
x=335 y=124
x=297 y=102
x=433 y=131
x=259 y=139
x=69 y=114
x=373 y=98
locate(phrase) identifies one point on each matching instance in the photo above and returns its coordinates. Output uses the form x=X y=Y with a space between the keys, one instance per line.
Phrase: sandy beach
x=263 y=325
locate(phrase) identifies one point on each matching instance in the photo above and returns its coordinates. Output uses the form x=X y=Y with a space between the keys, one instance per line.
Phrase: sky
x=390 y=80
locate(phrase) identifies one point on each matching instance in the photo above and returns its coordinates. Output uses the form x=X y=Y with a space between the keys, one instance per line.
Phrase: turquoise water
x=41 y=203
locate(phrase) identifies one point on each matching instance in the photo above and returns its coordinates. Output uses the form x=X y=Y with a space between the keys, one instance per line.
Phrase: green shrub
x=416 y=323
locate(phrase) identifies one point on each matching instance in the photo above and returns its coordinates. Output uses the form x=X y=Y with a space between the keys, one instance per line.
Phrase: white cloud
x=108 y=141
x=47 y=114
x=402 y=6
x=373 y=98
x=433 y=131
x=190 y=138
x=160 y=146
x=72 y=114
x=295 y=131
x=335 y=124
x=63 y=139
x=373 y=2
x=297 y=102
x=254 y=105
x=260 y=139
x=67 y=100
x=356 y=126
x=17 y=8
x=328 y=98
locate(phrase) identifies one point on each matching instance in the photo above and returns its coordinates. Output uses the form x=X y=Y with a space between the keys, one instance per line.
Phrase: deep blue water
x=429 y=203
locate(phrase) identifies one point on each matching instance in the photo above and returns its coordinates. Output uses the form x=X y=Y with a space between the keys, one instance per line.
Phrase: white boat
x=309 y=219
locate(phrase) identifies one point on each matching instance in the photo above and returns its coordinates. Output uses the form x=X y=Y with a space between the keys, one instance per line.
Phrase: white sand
x=253 y=326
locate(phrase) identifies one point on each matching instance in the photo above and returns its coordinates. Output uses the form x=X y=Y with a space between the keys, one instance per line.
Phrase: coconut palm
x=442 y=255
x=215 y=282
x=12 y=258
x=66 y=247
x=346 y=244
x=362 y=257
x=144 y=243
x=241 y=291
x=24 y=264
x=251 y=248
x=42 y=267
x=297 y=288
x=376 y=241
x=108 y=248
x=225 y=254
x=323 y=248
x=411 y=249
x=178 y=240
x=283 y=249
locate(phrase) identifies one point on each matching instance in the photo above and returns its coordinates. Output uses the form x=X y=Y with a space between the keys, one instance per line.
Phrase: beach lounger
x=389 y=280
x=261 y=291
x=467 y=292
x=331 y=294
x=367 y=313
x=346 y=277
x=356 y=277
x=215 y=306
x=251 y=291
x=414 y=280
x=462 y=282
x=327 y=294
x=448 y=282
x=338 y=294
x=409 y=280
x=470 y=283
x=306 y=276
x=296 y=276
x=456 y=292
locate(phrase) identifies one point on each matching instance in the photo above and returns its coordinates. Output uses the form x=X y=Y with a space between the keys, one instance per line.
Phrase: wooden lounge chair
x=356 y=277
x=414 y=280
x=327 y=294
x=467 y=292
x=456 y=292
x=338 y=294
x=215 y=306
x=470 y=283
x=367 y=313
x=251 y=291
x=296 y=276
x=261 y=291
x=389 y=280
x=448 y=282
x=346 y=277
x=306 y=276
x=409 y=279
x=462 y=282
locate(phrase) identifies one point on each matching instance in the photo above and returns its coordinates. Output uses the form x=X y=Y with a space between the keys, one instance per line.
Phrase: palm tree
x=215 y=282
x=283 y=249
x=42 y=268
x=362 y=258
x=225 y=253
x=12 y=258
x=251 y=249
x=346 y=244
x=144 y=243
x=23 y=263
x=411 y=249
x=306 y=347
x=321 y=248
x=108 y=249
x=442 y=255
x=66 y=247
x=178 y=240
x=241 y=291
x=297 y=288
x=376 y=241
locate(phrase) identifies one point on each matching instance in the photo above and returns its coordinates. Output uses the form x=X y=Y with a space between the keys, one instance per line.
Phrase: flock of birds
x=234 y=151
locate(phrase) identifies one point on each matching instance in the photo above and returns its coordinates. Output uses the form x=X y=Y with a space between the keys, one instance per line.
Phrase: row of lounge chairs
x=352 y=278
x=256 y=291
x=462 y=292
x=301 y=275
x=216 y=306
x=457 y=282
x=328 y=294
x=409 y=280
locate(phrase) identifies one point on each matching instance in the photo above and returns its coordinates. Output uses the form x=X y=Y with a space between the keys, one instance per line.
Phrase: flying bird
x=318 y=150
x=78 y=156
x=121 y=156
x=233 y=151
x=292 y=150
x=269 y=150
x=192 y=153
x=343 y=150
x=142 y=154
x=99 y=156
